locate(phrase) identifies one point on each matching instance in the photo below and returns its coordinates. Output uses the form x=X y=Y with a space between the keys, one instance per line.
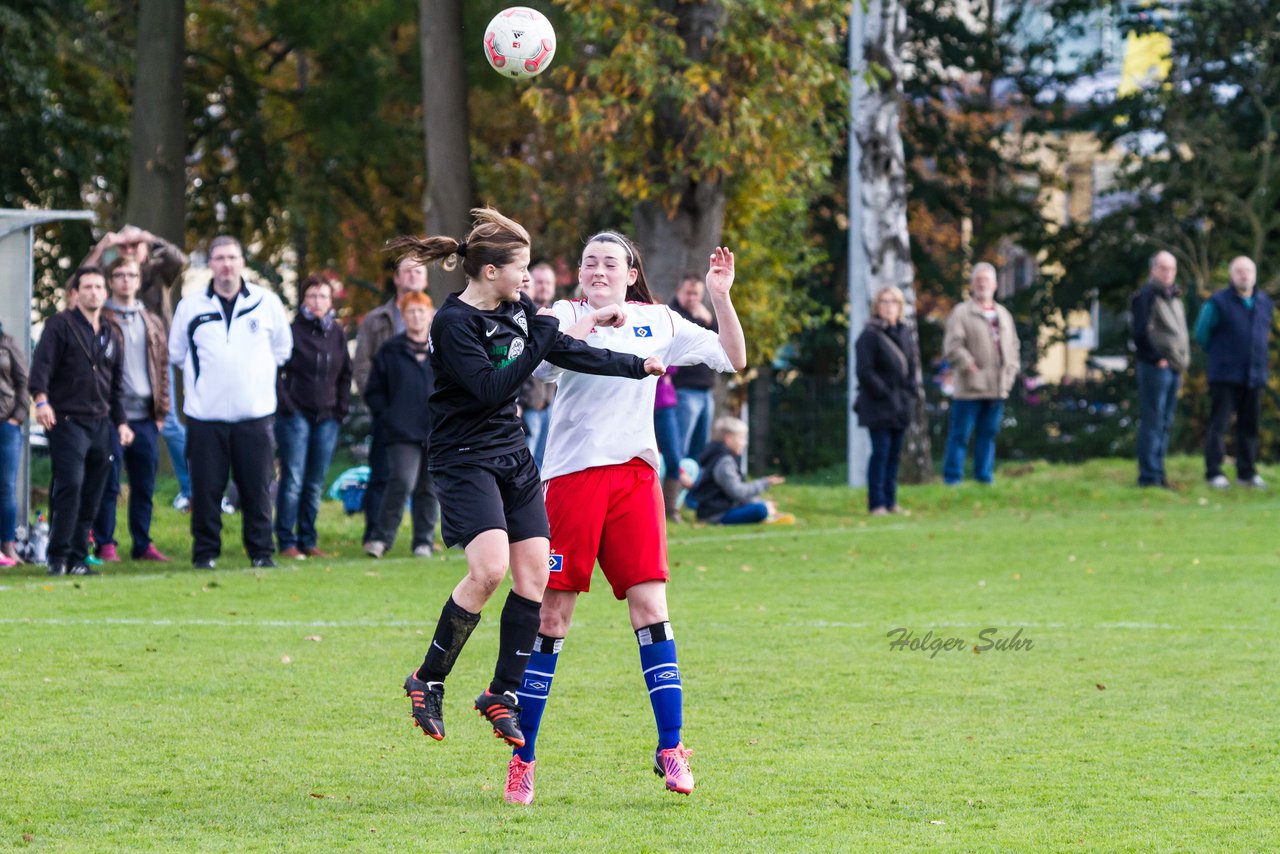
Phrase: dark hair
x=494 y=239
x=224 y=240
x=639 y=290
x=690 y=276
x=315 y=280
x=118 y=262
x=80 y=273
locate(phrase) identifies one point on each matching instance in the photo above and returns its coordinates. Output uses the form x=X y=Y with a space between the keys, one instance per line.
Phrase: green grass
x=242 y=709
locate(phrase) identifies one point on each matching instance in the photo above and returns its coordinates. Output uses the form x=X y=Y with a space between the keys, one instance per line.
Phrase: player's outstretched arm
x=572 y=354
x=720 y=274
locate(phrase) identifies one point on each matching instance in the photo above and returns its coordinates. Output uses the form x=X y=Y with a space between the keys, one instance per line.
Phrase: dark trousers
x=882 y=468
x=80 y=450
x=379 y=471
x=140 y=460
x=409 y=476
x=1245 y=402
x=244 y=449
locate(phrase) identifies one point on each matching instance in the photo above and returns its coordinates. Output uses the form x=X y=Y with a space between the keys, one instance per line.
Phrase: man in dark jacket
x=1234 y=328
x=145 y=398
x=375 y=330
x=314 y=393
x=1163 y=349
x=399 y=384
x=76 y=382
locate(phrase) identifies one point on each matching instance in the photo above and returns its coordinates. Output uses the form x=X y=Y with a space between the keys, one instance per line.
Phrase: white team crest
x=516 y=348
x=521 y=322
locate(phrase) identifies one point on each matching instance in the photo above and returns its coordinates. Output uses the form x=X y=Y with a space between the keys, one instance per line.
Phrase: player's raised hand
x=610 y=315
x=654 y=367
x=720 y=272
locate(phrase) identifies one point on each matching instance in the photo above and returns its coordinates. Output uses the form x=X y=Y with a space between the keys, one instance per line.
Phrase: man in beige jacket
x=981 y=346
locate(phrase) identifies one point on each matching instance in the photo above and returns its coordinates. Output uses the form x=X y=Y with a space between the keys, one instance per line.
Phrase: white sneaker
x=375 y=548
x=1256 y=481
x=1219 y=481
x=227 y=506
x=182 y=503
x=423 y=550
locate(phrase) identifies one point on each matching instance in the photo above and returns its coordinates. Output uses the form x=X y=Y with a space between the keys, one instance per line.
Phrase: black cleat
x=82 y=569
x=428 y=702
x=57 y=568
x=203 y=563
x=264 y=563
x=501 y=711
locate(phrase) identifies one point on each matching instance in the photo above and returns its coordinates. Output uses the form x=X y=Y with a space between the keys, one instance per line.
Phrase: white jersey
x=600 y=421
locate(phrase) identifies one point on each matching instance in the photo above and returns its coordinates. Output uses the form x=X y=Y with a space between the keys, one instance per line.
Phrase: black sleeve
x=461 y=351
x=1140 y=317
x=864 y=353
x=377 y=392
x=344 y=384
x=574 y=355
x=48 y=352
x=284 y=403
x=116 y=402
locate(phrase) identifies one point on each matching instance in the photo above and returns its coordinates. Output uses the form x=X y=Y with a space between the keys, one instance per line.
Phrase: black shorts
x=496 y=493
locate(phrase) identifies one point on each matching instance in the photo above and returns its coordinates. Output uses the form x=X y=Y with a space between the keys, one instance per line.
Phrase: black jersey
x=481 y=358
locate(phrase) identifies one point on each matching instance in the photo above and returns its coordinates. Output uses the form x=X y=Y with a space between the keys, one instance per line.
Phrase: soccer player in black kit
x=485 y=342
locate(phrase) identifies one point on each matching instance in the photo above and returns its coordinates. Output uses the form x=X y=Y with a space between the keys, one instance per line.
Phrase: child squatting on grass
x=721 y=495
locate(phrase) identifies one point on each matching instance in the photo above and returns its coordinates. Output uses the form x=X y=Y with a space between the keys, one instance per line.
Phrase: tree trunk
x=884 y=199
x=157 y=147
x=675 y=245
x=447 y=201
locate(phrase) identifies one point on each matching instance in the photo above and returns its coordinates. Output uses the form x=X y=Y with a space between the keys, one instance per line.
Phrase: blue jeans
x=10 y=454
x=1157 y=402
x=140 y=460
x=882 y=468
x=966 y=415
x=175 y=437
x=695 y=408
x=305 y=452
x=746 y=514
x=535 y=431
x=666 y=425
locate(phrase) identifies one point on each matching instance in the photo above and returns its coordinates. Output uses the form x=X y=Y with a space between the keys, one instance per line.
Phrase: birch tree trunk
x=884 y=198
x=447 y=203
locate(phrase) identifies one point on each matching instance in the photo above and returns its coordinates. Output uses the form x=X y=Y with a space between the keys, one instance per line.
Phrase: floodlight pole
x=858 y=448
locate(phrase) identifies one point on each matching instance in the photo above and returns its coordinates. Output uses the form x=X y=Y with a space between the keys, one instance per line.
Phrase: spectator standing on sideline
x=982 y=346
x=230 y=339
x=145 y=397
x=666 y=429
x=722 y=496
x=76 y=381
x=313 y=393
x=15 y=405
x=695 y=400
x=536 y=396
x=1163 y=350
x=399 y=384
x=161 y=264
x=1234 y=328
x=886 y=395
x=375 y=330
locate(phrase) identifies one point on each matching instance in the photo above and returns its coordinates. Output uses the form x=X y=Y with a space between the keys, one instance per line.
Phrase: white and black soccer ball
x=519 y=42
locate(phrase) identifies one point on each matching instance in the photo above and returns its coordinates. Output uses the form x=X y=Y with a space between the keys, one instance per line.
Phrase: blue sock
x=662 y=676
x=535 y=689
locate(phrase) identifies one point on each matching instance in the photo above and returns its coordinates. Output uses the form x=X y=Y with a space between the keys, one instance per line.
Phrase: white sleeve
x=281 y=334
x=178 y=335
x=546 y=371
x=691 y=344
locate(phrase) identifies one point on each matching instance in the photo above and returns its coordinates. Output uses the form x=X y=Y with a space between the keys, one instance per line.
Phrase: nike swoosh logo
x=438 y=646
x=525 y=654
x=488 y=333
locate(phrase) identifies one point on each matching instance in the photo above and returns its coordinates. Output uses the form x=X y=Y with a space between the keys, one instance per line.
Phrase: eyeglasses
x=124 y=275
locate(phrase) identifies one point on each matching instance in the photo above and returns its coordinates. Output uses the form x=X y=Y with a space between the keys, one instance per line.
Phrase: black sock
x=455 y=626
x=520 y=620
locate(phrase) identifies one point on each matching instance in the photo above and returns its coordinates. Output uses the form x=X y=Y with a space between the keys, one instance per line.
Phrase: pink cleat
x=108 y=553
x=673 y=763
x=152 y=553
x=519 y=781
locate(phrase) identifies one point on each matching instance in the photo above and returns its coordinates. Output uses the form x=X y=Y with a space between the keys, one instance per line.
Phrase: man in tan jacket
x=981 y=345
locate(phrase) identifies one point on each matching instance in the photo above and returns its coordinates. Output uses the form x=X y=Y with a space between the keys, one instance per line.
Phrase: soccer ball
x=519 y=42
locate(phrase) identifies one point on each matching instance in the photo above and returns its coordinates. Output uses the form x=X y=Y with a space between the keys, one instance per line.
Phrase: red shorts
x=613 y=513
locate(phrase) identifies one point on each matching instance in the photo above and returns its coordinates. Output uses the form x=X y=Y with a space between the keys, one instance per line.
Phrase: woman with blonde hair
x=887 y=391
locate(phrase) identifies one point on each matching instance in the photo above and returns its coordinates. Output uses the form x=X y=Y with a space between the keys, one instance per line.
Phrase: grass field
x=261 y=709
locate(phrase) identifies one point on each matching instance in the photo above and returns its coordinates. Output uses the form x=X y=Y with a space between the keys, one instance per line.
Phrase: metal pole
x=859 y=443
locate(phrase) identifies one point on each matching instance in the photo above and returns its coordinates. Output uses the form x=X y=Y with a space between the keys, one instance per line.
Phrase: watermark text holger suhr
x=989 y=640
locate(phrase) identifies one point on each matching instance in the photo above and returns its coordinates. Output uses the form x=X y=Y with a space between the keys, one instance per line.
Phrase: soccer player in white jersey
x=603 y=497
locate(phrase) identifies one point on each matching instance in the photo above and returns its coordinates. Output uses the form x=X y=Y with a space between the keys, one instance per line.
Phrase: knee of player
x=488 y=575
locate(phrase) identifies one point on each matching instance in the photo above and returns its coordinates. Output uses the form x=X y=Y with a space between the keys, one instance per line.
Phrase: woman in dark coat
x=886 y=395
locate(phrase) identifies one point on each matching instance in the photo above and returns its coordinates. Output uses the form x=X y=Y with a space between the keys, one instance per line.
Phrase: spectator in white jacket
x=229 y=340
